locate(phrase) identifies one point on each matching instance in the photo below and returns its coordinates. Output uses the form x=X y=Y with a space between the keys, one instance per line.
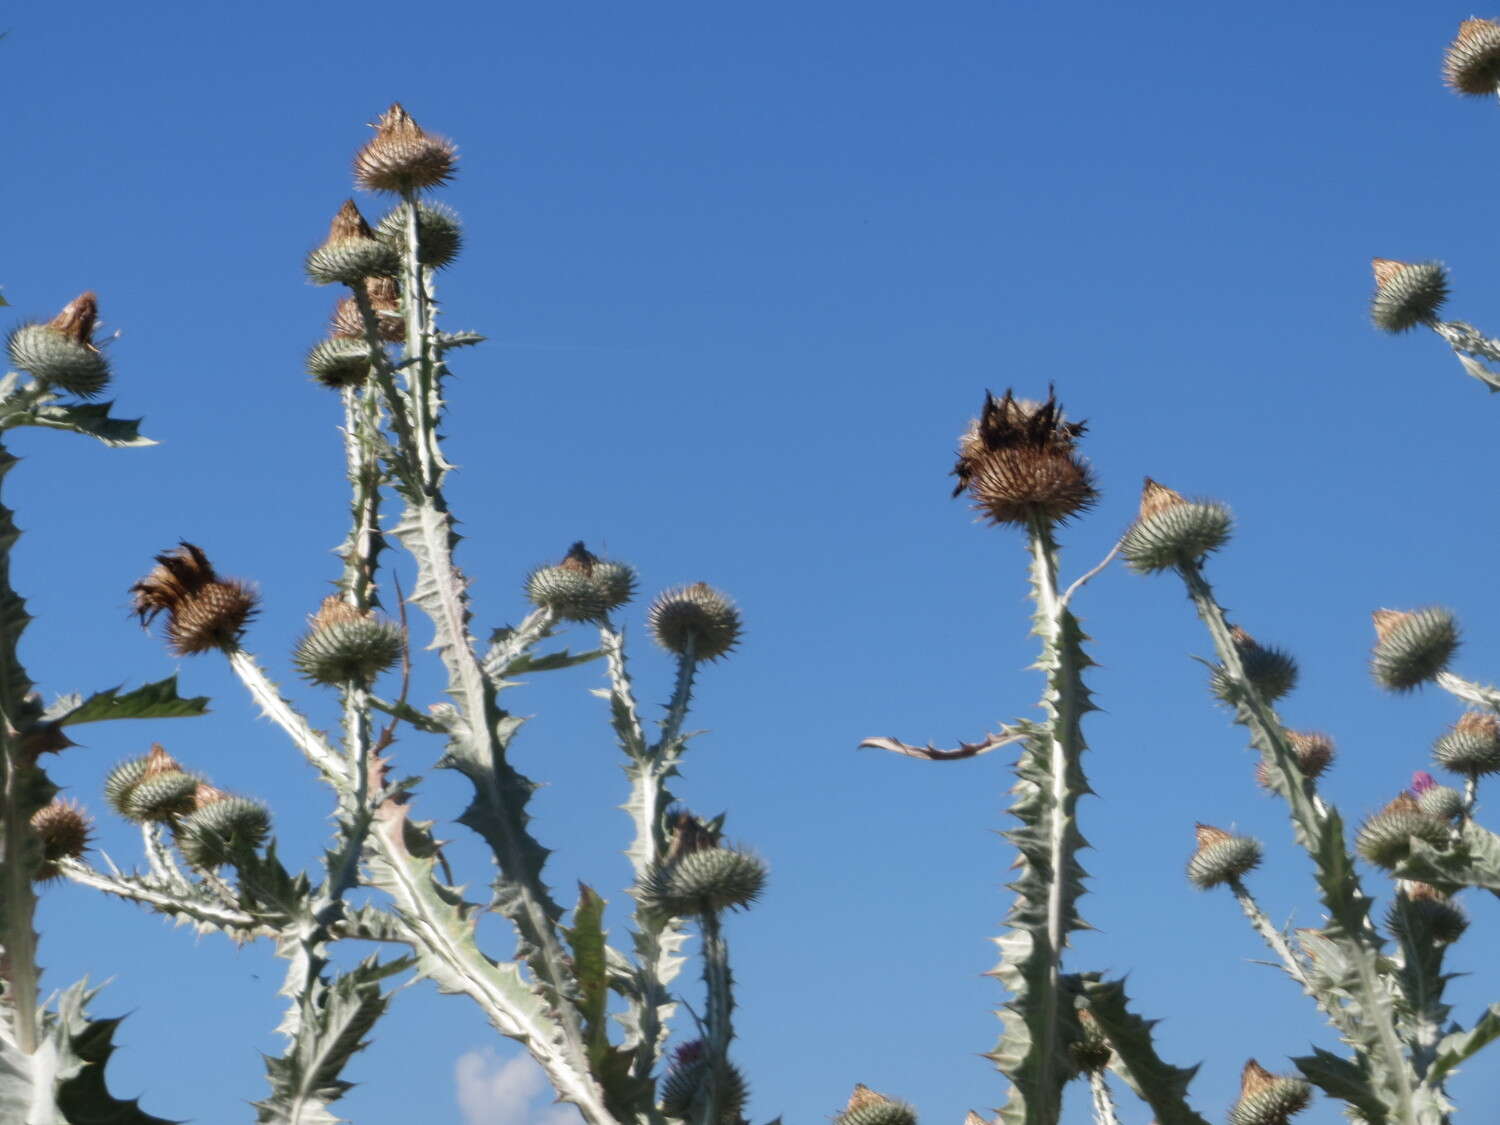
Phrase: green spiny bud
x=440 y=235
x=1412 y=647
x=1385 y=838
x=339 y=361
x=582 y=587
x=1406 y=293
x=1173 y=531
x=351 y=252
x=121 y=780
x=347 y=646
x=1221 y=857
x=685 y=1078
x=695 y=618
x=1471 y=65
x=1272 y=671
x=1266 y=1098
x=1424 y=912
x=1441 y=802
x=61 y=353
x=221 y=828
x=866 y=1107
x=701 y=882
x=1472 y=746
x=153 y=788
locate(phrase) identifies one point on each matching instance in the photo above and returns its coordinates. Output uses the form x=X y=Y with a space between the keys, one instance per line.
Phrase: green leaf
x=89 y=418
x=548 y=662
x=1159 y=1084
x=1339 y=1078
x=1472 y=861
x=586 y=939
x=1461 y=1046
x=157 y=700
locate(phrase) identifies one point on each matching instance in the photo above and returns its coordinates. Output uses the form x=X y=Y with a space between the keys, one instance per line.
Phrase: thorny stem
x=1274 y=938
x=1103 y=1099
x=719 y=985
x=312 y=744
x=419 y=375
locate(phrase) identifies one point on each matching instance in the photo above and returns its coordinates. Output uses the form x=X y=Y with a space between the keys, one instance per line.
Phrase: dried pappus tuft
x=1018 y=464
x=403 y=156
x=1471 y=64
x=203 y=611
x=867 y=1107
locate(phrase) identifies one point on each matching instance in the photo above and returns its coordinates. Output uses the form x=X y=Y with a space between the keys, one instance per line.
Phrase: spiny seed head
x=1271 y=671
x=1266 y=1098
x=583 y=587
x=689 y=1070
x=1314 y=753
x=1412 y=647
x=1220 y=857
x=1406 y=293
x=696 y=619
x=1421 y=913
x=221 y=830
x=702 y=882
x=1472 y=746
x=1018 y=463
x=1172 y=530
x=1471 y=64
x=62 y=827
x=347 y=646
x=351 y=252
x=385 y=303
x=203 y=611
x=403 y=156
x=62 y=353
x=440 y=235
x=340 y=361
x=1385 y=838
x=866 y=1107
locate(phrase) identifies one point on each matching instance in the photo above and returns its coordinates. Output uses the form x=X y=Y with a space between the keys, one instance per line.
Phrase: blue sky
x=746 y=272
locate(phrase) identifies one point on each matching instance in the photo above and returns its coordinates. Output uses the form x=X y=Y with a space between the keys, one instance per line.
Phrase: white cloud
x=494 y=1089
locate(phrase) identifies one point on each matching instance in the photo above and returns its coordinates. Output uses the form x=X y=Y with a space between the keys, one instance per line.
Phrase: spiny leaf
x=157 y=700
x=1160 y=1085
x=89 y=418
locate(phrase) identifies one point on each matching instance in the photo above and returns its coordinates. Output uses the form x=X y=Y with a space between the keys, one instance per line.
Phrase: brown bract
x=76 y=321
x=203 y=611
x=1157 y=498
x=1017 y=462
x=403 y=156
x=336 y=611
x=347 y=224
x=1207 y=835
x=688 y=834
x=579 y=558
x=1255 y=1078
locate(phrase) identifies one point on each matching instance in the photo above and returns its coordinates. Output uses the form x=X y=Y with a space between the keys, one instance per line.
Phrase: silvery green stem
x=718 y=1011
x=239 y=924
x=1104 y=1100
x=1290 y=961
x=502 y=653
x=1319 y=829
x=398 y=403
x=1032 y=1049
x=420 y=375
x=362 y=548
x=276 y=708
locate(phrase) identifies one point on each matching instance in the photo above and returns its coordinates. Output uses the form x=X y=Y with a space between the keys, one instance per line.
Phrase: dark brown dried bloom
x=1314 y=755
x=347 y=224
x=688 y=834
x=1018 y=463
x=384 y=298
x=1471 y=64
x=403 y=156
x=63 y=829
x=76 y=321
x=1156 y=497
x=203 y=611
x=336 y=611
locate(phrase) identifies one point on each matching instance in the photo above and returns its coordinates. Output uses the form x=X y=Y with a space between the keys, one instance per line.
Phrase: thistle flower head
x=440 y=235
x=866 y=1107
x=582 y=587
x=703 y=881
x=403 y=156
x=1421 y=781
x=1266 y=1098
x=351 y=252
x=1412 y=647
x=695 y=619
x=385 y=302
x=222 y=829
x=1172 y=530
x=62 y=352
x=685 y=1078
x=1314 y=753
x=1018 y=463
x=203 y=611
x=1471 y=746
x=153 y=788
x=1422 y=911
x=1385 y=838
x=63 y=829
x=1220 y=857
x=1271 y=671
x=1406 y=293
x=1471 y=64
x=1091 y=1051
x=346 y=645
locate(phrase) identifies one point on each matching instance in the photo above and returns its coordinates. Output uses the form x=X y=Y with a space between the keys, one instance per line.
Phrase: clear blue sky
x=746 y=272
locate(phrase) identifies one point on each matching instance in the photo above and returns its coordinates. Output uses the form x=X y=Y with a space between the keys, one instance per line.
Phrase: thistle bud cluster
x=211 y=827
x=1019 y=464
x=203 y=610
x=62 y=352
x=582 y=587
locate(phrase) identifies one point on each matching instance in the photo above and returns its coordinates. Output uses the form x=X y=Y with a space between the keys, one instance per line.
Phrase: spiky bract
x=218 y=831
x=203 y=611
x=1471 y=64
x=695 y=618
x=1441 y=801
x=1472 y=746
x=440 y=235
x=121 y=780
x=339 y=361
x=62 y=828
x=347 y=646
x=61 y=353
x=583 y=587
x=1313 y=751
x=1173 y=531
x=1422 y=910
x=866 y=1107
x=699 y=882
x=403 y=156
x=1220 y=857
x=1018 y=463
x=160 y=797
x=1412 y=647
x=680 y=1087
x=1406 y=293
x=351 y=252
x=1268 y=1099
x=1271 y=671
x=1385 y=838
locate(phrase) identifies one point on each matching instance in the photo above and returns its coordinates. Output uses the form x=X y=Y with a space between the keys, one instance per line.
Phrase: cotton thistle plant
x=212 y=859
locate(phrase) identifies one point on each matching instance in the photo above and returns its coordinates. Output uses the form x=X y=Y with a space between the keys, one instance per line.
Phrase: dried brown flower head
x=688 y=834
x=336 y=611
x=203 y=611
x=1314 y=755
x=403 y=156
x=1471 y=64
x=76 y=321
x=63 y=829
x=1156 y=497
x=348 y=223
x=384 y=298
x=1018 y=463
